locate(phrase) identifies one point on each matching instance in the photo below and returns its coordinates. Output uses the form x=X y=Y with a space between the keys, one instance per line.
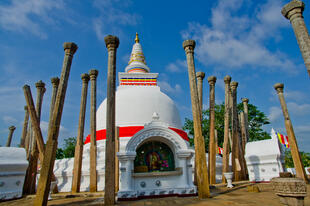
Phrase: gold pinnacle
x=137 y=38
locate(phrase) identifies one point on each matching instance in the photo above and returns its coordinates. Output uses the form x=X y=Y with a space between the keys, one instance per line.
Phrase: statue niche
x=154 y=156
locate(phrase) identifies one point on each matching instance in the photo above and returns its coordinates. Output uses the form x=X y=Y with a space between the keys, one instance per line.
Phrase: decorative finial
x=137 y=38
x=155 y=116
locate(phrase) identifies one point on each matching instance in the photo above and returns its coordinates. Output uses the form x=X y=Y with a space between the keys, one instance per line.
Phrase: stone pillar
x=293 y=11
x=227 y=80
x=25 y=127
x=93 y=145
x=200 y=76
x=53 y=130
x=33 y=161
x=299 y=167
x=55 y=83
x=117 y=142
x=212 y=144
x=112 y=43
x=78 y=154
x=243 y=130
x=8 y=143
x=245 y=102
x=236 y=168
x=201 y=167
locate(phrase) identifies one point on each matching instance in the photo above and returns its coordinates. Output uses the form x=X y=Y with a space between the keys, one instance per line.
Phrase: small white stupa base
x=228 y=176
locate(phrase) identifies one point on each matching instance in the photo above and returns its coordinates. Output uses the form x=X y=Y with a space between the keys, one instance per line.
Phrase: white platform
x=13 y=166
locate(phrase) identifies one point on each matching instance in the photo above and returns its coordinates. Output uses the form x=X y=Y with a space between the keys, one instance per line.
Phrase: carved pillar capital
x=279 y=87
x=189 y=46
x=293 y=9
x=200 y=75
x=227 y=79
x=93 y=73
x=70 y=48
x=111 y=42
x=212 y=80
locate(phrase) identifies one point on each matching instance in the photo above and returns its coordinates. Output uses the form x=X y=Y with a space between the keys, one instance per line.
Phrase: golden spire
x=137 y=38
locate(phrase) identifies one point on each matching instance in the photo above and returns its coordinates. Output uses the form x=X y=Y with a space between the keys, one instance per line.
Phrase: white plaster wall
x=13 y=166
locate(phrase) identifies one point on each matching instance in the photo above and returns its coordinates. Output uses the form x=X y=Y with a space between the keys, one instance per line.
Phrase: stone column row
x=112 y=43
x=78 y=154
x=293 y=11
x=93 y=145
x=201 y=167
x=9 y=140
x=299 y=167
x=53 y=130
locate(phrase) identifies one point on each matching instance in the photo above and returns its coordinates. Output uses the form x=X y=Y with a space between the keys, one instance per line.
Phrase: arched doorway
x=154 y=156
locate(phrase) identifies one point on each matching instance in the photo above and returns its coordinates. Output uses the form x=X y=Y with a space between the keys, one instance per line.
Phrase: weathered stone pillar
x=8 y=143
x=200 y=76
x=293 y=11
x=55 y=83
x=212 y=144
x=236 y=168
x=243 y=130
x=33 y=161
x=299 y=167
x=93 y=145
x=112 y=43
x=227 y=80
x=53 y=130
x=201 y=167
x=78 y=154
x=117 y=141
x=245 y=102
x=25 y=127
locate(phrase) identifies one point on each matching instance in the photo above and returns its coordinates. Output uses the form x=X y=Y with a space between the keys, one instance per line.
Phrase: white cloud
x=302 y=129
x=9 y=119
x=166 y=87
x=25 y=15
x=112 y=16
x=177 y=66
x=274 y=113
x=234 y=41
x=298 y=109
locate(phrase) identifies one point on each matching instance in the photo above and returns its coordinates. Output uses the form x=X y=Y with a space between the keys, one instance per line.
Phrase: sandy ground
x=220 y=196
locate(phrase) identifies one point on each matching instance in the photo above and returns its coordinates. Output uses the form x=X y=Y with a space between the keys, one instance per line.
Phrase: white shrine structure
x=155 y=157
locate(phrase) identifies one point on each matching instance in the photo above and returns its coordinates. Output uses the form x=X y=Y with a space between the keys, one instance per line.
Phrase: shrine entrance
x=154 y=156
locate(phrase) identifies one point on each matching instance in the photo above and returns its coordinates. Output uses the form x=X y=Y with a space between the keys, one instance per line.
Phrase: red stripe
x=131 y=131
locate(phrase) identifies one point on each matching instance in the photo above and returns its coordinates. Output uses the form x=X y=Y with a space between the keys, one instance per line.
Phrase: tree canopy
x=68 y=150
x=256 y=120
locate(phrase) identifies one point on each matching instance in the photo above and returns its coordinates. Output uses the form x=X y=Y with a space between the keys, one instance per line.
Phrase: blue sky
x=248 y=40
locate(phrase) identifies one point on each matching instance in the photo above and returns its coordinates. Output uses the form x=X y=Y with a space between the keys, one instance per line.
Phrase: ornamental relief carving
x=137 y=139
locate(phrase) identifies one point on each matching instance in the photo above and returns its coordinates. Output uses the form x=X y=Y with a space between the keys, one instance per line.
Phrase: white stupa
x=155 y=158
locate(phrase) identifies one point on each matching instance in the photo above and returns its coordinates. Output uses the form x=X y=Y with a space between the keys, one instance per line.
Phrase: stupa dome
x=135 y=106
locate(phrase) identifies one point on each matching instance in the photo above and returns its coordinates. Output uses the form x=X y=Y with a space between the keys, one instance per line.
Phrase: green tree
x=256 y=120
x=305 y=158
x=68 y=150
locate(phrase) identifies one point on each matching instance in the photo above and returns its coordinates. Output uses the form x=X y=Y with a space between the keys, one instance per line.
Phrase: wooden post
x=78 y=154
x=112 y=43
x=293 y=11
x=24 y=132
x=33 y=164
x=299 y=167
x=93 y=145
x=200 y=76
x=8 y=143
x=227 y=80
x=202 y=171
x=53 y=131
x=117 y=142
x=212 y=144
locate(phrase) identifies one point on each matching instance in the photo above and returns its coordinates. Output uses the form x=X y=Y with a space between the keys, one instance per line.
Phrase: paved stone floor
x=220 y=196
